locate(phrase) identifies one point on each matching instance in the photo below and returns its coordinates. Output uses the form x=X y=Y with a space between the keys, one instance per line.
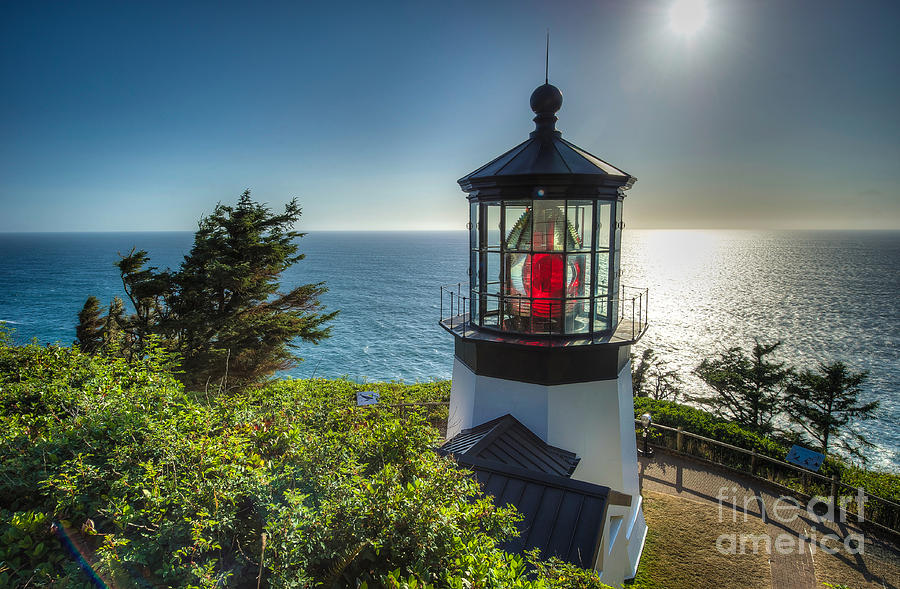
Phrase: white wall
x=593 y=419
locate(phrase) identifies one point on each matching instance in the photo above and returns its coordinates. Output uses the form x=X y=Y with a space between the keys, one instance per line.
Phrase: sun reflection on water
x=827 y=296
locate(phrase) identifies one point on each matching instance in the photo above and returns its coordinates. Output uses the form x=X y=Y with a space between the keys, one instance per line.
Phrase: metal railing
x=630 y=314
x=632 y=306
x=880 y=512
x=455 y=301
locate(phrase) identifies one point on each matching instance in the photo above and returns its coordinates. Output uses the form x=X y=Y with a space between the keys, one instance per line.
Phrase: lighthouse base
x=594 y=419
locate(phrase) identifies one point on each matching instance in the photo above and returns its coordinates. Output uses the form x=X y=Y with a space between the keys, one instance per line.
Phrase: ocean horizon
x=827 y=295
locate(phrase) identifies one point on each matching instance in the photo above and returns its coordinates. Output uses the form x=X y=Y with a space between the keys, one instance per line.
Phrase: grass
x=681 y=548
x=877 y=570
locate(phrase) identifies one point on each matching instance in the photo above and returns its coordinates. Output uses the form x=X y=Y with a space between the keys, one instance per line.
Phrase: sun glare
x=686 y=17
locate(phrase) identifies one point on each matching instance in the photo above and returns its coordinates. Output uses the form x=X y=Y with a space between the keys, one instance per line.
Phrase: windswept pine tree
x=89 y=332
x=113 y=324
x=149 y=291
x=227 y=309
x=749 y=388
x=653 y=378
x=223 y=311
x=825 y=402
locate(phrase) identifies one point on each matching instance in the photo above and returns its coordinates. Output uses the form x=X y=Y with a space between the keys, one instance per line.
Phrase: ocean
x=826 y=295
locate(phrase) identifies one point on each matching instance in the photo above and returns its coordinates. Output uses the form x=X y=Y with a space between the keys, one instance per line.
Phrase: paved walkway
x=734 y=495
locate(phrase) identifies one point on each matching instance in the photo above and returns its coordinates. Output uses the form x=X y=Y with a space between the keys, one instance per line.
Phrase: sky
x=126 y=116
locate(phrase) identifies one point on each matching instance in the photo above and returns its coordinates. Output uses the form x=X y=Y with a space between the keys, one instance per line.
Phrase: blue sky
x=141 y=116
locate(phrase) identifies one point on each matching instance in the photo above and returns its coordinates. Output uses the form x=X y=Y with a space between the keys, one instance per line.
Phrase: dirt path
x=797 y=539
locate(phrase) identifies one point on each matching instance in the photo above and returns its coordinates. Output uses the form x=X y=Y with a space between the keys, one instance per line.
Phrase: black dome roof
x=547 y=155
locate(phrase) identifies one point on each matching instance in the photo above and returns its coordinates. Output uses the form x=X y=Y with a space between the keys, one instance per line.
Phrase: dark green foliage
x=89 y=332
x=653 y=378
x=222 y=311
x=823 y=403
x=706 y=424
x=150 y=292
x=31 y=554
x=177 y=489
x=749 y=389
x=113 y=326
x=228 y=308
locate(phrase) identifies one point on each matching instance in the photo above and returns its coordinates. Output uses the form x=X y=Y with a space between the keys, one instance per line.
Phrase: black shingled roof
x=507 y=441
x=563 y=517
x=546 y=155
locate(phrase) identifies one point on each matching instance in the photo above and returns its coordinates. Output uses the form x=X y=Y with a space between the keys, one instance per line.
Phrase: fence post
x=679 y=439
x=753 y=462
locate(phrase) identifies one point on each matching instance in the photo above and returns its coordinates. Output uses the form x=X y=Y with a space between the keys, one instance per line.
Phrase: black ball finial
x=546 y=99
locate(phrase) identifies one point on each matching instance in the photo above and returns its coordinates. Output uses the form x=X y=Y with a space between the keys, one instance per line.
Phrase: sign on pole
x=805 y=458
x=366 y=398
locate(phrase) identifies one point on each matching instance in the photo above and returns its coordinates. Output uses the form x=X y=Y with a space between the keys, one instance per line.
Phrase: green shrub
x=173 y=488
x=708 y=425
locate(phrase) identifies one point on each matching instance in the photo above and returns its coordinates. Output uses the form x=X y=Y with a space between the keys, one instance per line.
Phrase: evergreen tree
x=222 y=312
x=89 y=332
x=230 y=318
x=114 y=324
x=749 y=389
x=150 y=293
x=639 y=372
x=823 y=403
x=653 y=378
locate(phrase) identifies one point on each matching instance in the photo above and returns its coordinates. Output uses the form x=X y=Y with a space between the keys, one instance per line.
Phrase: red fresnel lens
x=545 y=274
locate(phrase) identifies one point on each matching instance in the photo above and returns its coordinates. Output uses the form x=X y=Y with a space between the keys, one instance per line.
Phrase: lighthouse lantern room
x=543 y=332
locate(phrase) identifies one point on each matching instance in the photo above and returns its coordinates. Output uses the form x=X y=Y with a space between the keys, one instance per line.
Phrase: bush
x=167 y=486
x=708 y=425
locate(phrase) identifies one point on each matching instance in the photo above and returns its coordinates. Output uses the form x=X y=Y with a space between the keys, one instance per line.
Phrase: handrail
x=460 y=308
x=833 y=481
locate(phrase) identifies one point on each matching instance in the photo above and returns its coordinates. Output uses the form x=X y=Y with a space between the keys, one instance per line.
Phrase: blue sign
x=366 y=398
x=805 y=458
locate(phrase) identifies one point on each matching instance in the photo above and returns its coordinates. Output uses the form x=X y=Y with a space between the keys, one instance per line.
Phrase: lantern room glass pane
x=518 y=226
x=605 y=222
x=601 y=267
x=492 y=220
x=492 y=270
x=601 y=314
x=578 y=319
x=580 y=217
x=517 y=314
x=545 y=275
x=578 y=275
x=549 y=226
x=491 y=314
x=547 y=316
x=474 y=309
x=514 y=276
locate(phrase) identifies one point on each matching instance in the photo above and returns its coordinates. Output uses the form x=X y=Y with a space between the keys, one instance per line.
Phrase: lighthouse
x=541 y=402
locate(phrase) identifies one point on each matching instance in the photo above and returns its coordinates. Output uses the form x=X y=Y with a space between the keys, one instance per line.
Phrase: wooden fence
x=882 y=514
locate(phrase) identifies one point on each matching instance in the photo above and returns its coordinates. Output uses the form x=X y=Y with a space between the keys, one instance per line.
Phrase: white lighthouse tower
x=543 y=332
